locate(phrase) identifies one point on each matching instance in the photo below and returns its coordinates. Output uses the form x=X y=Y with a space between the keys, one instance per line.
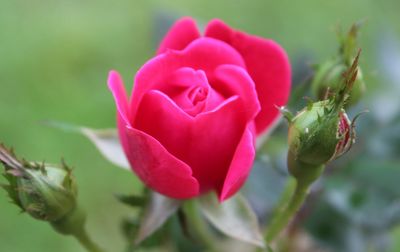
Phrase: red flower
x=196 y=108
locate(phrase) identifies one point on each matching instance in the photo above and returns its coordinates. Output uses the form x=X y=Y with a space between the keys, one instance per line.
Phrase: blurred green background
x=55 y=57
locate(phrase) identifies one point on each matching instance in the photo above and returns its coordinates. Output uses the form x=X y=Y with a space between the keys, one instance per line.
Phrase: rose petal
x=147 y=157
x=161 y=118
x=235 y=80
x=268 y=65
x=185 y=77
x=240 y=166
x=155 y=73
x=157 y=168
x=215 y=136
x=206 y=142
x=188 y=88
x=180 y=35
x=117 y=88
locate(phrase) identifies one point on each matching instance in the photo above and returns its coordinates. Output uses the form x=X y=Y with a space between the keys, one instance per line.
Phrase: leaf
x=106 y=141
x=158 y=210
x=131 y=200
x=234 y=217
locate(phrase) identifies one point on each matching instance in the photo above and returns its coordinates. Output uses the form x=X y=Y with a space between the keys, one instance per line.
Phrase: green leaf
x=131 y=200
x=234 y=217
x=156 y=213
x=106 y=141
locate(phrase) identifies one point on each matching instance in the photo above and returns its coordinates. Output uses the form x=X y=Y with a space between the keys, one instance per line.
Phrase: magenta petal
x=148 y=158
x=236 y=81
x=203 y=53
x=180 y=35
x=159 y=170
x=206 y=142
x=116 y=86
x=186 y=77
x=213 y=141
x=240 y=167
x=267 y=64
x=161 y=118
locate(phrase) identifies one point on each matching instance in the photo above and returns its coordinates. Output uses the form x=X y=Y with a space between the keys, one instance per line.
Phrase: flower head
x=197 y=107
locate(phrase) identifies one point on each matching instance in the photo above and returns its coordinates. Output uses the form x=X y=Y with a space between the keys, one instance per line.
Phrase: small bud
x=46 y=192
x=327 y=81
x=318 y=135
x=322 y=131
x=328 y=76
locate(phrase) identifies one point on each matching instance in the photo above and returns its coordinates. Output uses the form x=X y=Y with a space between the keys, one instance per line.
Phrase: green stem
x=282 y=218
x=285 y=195
x=199 y=227
x=86 y=242
x=74 y=224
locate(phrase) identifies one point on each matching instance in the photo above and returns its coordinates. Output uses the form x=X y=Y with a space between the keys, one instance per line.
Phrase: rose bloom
x=197 y=107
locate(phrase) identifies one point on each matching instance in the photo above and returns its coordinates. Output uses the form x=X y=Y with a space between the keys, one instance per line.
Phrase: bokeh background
x=54 y=60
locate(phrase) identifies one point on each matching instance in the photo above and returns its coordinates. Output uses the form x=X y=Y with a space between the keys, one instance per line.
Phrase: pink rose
x=197 y=107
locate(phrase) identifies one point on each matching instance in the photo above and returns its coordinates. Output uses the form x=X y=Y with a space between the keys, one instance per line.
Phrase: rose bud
x=46 y=192
x=328 y=75
x=322 y=131
x=317 y=135
x=328 y=78
x=196 y=108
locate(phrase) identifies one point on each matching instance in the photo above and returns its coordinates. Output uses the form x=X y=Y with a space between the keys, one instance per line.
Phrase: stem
x=285 y=195
x=74 y=224
x=282 y=218
x=86 y=242
x=196 y=222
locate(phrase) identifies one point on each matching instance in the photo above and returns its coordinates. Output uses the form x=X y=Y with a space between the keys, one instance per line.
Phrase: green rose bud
x=328 y=76
x=327 y=80
x=46 y=192
x=317 y=134
x=322 y=131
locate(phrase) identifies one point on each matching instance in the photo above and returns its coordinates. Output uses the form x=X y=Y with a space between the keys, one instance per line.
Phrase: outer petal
x=116 y=86
x=267 y=64
x=180 y=35
x=154 y=165
x=159 y=169
x=240 y=167
x=203 y=53
x=215 y=137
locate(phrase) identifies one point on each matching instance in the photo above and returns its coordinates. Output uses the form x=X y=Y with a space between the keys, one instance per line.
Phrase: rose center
x=197 y=94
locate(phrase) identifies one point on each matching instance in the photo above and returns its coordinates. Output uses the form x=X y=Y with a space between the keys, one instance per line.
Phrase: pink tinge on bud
x=345 y=134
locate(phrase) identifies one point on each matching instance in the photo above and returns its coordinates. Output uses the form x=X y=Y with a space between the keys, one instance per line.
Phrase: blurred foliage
x=54 y=60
